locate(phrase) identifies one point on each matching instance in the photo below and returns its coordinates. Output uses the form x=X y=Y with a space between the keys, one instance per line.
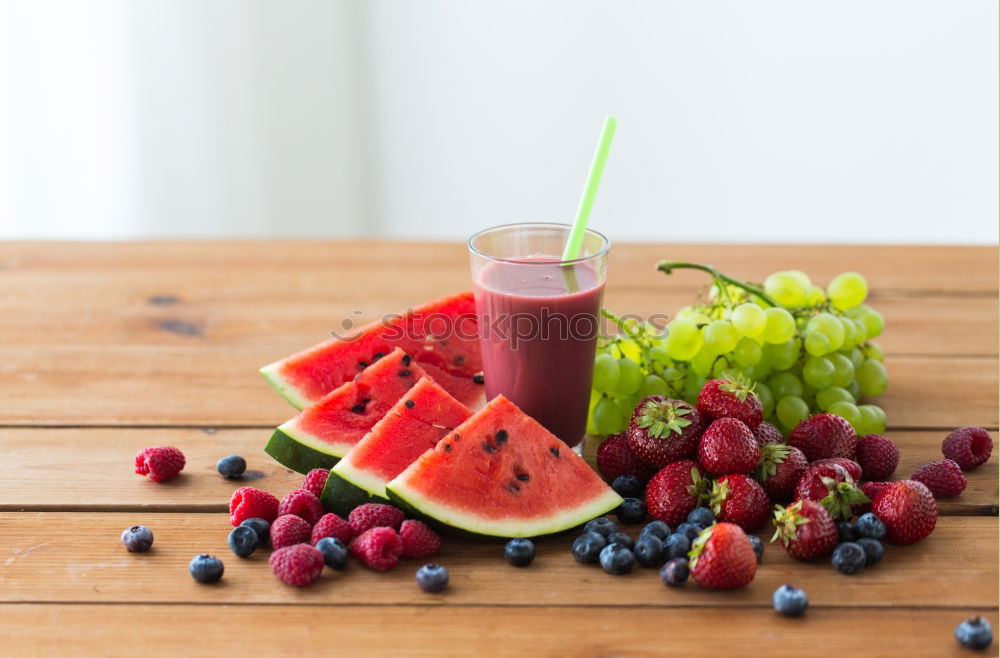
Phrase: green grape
x=702 y=362
x=759 y=371
x=861 y=331
x=828 y=324
x=846 y=410
x=791 y=410
x=749 y=319
x=817 y=344
x=855 y=356
x=850 y=333
x=605 y=373
x=719 y=366
x=747 y=352
x=802 y=278
x=765 y=396
x=683 y=340
x=785 y=384
x=595 y=397
x=780 y=325
x=630 y=349
x=868 y=421
x=608 y=417
x=815 y=296
x=786 y=289
x=872 y=319
x=629 y=376
x=872 y=378
x=818 y=372
x=875 y=412
x=692 y=386
x=653 y=385
x=721 y=336
x=854 y=389
x=658 y=354
x=693 y=315
x=874 y=351
x=782 y=356
x=847 y=290
x=831 y=394
x=843 y=369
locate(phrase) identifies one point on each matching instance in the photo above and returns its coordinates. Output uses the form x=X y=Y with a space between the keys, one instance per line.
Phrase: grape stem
x=668 y=267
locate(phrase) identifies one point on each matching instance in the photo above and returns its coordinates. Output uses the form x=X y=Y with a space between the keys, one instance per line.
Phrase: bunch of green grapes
x=807 y=349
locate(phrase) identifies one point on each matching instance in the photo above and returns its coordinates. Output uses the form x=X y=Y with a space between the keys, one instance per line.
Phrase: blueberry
x=658 y=529
x=137 y=539
x=206 y=568
x=519 y=552
x=649 y=551
x=232 y=466
x=690 y=529
x=869 y=525
x=845 y=531
x=431 y=577
x=632 y=511
x=587 y=547
x=974 y=633
x=675 y=572
x=701 y=516
x=758 y=546
x=334 y=552
x=873 y=550
x=261 y=527
x=621 y=538
x=790 y=601
x=601 y=525
x=848 y=557
x=243 y=541
x=676 y=545
x=628 y=486
x=617 y=559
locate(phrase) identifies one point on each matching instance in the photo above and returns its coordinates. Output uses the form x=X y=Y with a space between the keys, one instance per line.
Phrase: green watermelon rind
x=301 y=451
x=341 y=494
x=284 y=388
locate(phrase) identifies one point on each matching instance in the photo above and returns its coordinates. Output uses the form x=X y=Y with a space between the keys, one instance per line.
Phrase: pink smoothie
x=538 y=339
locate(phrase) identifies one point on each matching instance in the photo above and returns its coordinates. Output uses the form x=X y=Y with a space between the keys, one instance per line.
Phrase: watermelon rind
x=341 y=494
x=283 y=387
x=302 y=452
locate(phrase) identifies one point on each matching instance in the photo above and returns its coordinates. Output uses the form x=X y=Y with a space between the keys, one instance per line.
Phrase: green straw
x=575 y=240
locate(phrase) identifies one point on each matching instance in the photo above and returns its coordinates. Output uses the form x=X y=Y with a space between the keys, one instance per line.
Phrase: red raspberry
x=288 y=530
x=250 y=503
x=297 y=565
x=615 y=457
x=315 y=481
x=331 y=525
x=160 y=463
x=878 y=456
x=301 y=503
x=378 y=548
x=968 y=447
x=418 y=539
x=374 y=515
x=943 y=477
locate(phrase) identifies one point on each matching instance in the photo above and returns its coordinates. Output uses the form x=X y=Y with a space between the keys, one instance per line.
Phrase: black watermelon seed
x=501 y=437
x=478 y=379
x=458 y=360
x=410 y=404
x=406 y=359
x=363 y=364
x=405 y=373
x=523 y=477
x=457 y=437
x=488 y=448
x=358 y=408
x=365 y=400
x=377 y=356
x=513 y=487
x=554 y=451
x=447 y=447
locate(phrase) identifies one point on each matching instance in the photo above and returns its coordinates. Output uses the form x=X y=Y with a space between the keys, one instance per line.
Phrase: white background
x=740 y=120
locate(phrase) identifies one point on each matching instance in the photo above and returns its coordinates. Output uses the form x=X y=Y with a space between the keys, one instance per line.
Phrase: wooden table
x=108 y=348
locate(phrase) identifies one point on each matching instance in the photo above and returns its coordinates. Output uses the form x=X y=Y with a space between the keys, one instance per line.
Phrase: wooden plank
x=53 y=557
x=95 y=464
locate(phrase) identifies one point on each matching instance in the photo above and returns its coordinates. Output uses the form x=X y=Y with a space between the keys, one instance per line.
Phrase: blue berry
x=790 y=601
x=701 y=516
x=601 y=525
x=587 y=547
x=974 y=633
x=632 y=511
x=869 y=525
x=873 y=550
x=758 y=546
x=848 y=557
x=432 y=578
x=621 y=538
x=334 y=552
x=675 y=572
x=676 y=545
x=617 y=559
x=649 y=551
x=137 y=539
x=628 y=486
x=243 y=541
x=231 y=467
x=690 y=529
x=261 y=527
x=205 y=568
x=658 y=529
x=519 y=552
x=845 y=531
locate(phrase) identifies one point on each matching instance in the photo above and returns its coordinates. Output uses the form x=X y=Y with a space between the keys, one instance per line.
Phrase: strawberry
x=943 y=477
x=780 y=469
x=725 y=398
x=806 y=529
x=663 y=430
x=878 y=456
x=728 y=446
x=870 y=490
x=738 y=499
x=676 y=490
x=823 y=436
x=853 y=468
x=615 y=458
x=832 y=487
x=722 y=557
x=767 y=433
x=908 y=510
x=968 y=447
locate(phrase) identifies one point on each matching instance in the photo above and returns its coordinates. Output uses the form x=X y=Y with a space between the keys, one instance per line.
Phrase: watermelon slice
x=326 y=431
x=442 y=336
x=415 y=424
x=501 y=474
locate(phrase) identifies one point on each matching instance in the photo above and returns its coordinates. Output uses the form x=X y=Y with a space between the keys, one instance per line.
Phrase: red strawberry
x=943 y=477
x=908 y=510
x=615 y=458
x=823 y=436
x=870 y=490
x=676 y=490
x=806 y=530
x=968 y=447
x=852 y=467
x=161 y=463
x=780 y=469
x=878 y=456
x=728 y=446
x=315 y=481
x=767 y=433
x=663 y=430
x=738 y=499
x=722 y=557
x=722 y=398
x=832 y=487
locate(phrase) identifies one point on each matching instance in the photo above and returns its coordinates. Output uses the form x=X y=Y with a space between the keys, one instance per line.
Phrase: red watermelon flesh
x=442 y=336
x=502 y=474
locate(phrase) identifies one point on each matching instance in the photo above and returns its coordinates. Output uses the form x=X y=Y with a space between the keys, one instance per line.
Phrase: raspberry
x=615 y=457
x=968 y=447
x=943 y=477
x=418 y=539
x=315 y=481
x=374 y=515
x=378 y=548
x=331 y=525
x=288 y=530
x=301 y=503
x=250 y=503
x=878 y=456
x=160 y=463
x=297 y=565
